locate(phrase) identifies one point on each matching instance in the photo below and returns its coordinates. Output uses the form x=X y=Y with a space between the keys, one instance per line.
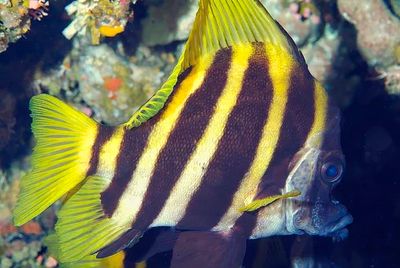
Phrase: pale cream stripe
x=280 y=66
x=132 y=198
x=108 y=155
x=192 y=174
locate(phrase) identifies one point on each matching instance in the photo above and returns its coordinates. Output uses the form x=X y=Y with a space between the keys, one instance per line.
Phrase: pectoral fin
x=259 y=203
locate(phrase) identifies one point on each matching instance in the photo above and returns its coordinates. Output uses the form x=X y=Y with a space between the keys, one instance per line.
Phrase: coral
x=305 y=9
x=378 y=33
x=111 y=91
x=38 y=9
x=319 y=56
x=293 y=16
x=378 y=37
x=14 y=22
x=91 y=18
x=160 y=27
x=392 y=79
x=330 y=61
x=20 y=247
x=97 y=18
x=15 y=18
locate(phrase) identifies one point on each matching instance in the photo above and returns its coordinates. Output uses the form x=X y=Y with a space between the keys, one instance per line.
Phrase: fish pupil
x=332 y=171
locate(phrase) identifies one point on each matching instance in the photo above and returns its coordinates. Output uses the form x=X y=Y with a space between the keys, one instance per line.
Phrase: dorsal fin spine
x=218 y=24
x=254 y=29
x=225 y=24
x=239 y=31
x=244 y=27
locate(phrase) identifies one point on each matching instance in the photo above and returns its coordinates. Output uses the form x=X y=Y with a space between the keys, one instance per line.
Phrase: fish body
x=240 y=142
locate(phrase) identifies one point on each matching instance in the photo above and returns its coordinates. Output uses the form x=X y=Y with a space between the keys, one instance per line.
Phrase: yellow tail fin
x=61 y=157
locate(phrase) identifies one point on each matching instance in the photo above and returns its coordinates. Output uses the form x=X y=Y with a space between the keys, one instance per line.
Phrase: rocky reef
x=378 y=37
x=107 y=57
x=112 y=91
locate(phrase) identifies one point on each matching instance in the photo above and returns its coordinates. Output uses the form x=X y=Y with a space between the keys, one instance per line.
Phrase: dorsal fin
x=223 y=23
x=218 y=24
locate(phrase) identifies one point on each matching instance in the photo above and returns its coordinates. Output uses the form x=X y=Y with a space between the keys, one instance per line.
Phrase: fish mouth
x=335 y=228
x=338 y=231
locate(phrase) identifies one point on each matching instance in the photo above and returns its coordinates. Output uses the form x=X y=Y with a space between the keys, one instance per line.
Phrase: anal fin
x=82 y=228
x=89 y=261
x=127 y=240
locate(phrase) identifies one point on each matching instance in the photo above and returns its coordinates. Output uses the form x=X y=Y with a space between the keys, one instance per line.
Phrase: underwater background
x=352 y=46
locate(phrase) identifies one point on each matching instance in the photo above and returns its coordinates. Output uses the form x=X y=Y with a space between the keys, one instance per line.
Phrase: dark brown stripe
x=236 y=149
x=245 y=224
x=183 y=138
x=103 y=135
x=133 y=144
x=296 y=125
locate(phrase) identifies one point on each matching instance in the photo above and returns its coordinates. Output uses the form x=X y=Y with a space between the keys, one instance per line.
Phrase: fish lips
x=338 y=231
x=304 y=221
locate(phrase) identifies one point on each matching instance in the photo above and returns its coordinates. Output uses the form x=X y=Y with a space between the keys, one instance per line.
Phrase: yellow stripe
x=321 y=104
x=192 y=175
x=133 y=196
x=109 y=153
x=280 y=66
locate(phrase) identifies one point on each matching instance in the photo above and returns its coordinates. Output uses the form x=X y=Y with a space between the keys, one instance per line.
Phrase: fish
x=241 y=142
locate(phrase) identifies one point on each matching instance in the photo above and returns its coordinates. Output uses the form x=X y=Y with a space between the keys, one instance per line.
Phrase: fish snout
x=324 y=219
x=330 y=219
x=341 y=218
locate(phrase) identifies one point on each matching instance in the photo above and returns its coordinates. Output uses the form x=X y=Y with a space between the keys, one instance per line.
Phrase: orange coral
x=112 y=85
x=32 y=228
x=7 y=228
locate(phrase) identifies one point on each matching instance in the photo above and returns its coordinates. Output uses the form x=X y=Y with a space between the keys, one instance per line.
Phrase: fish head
x=315 y=171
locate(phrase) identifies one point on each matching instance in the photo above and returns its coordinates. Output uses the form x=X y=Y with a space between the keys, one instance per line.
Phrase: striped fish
x=240 y=142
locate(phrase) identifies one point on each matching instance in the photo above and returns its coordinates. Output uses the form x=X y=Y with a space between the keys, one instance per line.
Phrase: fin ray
x=82 y=228
x=89 y=261
x=64 y=139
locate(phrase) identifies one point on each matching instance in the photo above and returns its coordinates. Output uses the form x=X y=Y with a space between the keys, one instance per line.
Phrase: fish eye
x=332 y=171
